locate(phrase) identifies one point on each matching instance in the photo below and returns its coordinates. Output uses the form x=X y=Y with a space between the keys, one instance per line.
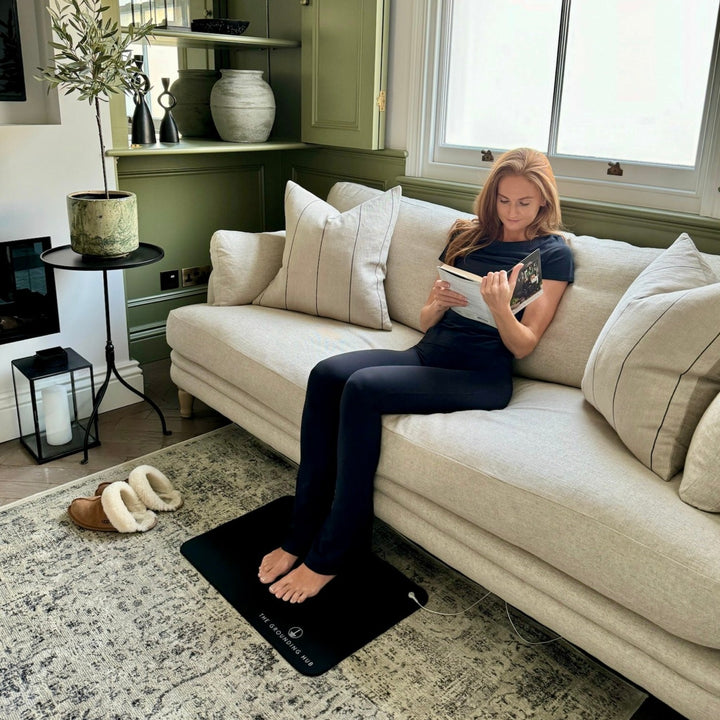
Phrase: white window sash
x=678 y=189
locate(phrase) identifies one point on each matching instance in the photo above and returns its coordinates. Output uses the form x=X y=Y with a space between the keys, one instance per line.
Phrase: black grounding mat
x=316 y=635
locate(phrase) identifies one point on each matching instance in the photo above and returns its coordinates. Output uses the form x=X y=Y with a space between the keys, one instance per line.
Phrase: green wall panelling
x=319 y=169
x=637 y=226
x=182 y=200
x=146 y=320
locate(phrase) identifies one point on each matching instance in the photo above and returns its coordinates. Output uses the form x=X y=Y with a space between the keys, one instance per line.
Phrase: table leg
x=111 y=369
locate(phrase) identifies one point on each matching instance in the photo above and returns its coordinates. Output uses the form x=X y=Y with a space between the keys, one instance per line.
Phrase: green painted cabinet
x=344 y=72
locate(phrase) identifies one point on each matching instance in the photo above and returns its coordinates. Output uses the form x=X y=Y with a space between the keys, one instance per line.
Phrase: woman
x=460 y=364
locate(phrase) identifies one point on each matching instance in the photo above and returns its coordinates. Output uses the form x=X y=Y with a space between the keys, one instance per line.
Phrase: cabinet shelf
x=201 y=146
x=209 y=41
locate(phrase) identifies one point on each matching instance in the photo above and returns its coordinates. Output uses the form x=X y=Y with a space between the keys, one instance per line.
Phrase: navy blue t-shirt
x=456 y=341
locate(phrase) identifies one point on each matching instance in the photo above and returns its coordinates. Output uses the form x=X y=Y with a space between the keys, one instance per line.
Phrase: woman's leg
x=315 y=485
x=368 y=394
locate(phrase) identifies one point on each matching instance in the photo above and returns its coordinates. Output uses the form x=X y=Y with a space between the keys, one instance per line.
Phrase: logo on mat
x=295 y=633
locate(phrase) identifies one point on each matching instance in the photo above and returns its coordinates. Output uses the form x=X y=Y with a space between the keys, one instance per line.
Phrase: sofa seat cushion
x=270 y=352
x=549 y=475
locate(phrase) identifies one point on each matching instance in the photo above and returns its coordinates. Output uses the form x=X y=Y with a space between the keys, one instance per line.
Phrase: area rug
x=365 y=602
x=105 y=626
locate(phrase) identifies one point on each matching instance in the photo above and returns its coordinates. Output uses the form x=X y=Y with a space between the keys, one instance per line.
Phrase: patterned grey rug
x=104 y=626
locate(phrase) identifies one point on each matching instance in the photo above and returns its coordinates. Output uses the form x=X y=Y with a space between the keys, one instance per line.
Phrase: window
x=621 y=94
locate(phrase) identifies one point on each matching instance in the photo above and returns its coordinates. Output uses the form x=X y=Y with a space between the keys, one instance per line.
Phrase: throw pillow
x=655 y=366
x=242 y=265
x=700 y=485
x=334 y=263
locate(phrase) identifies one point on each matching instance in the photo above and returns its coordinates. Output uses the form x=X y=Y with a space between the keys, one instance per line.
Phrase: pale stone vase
x=243 y=106
x=103 y=227
x=192 y=113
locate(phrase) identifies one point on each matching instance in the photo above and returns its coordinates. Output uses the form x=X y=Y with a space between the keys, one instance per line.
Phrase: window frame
x=675 y=189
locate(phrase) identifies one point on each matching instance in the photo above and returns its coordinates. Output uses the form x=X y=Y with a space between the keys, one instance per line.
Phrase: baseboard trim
x=116 y=396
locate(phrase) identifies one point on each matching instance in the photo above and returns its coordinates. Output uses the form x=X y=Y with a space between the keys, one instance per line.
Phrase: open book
x=527 y=289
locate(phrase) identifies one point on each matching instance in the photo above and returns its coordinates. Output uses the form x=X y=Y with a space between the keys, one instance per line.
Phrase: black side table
x=65 y=258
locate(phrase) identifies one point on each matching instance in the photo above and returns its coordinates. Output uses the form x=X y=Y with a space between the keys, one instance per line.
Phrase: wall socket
x=170 y=279
x=196 y=275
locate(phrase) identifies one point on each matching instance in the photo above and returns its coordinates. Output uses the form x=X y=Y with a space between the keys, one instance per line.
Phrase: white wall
x=39 y=166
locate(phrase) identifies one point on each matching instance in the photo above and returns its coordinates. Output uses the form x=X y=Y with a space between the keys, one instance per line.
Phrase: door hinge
x=381 y=98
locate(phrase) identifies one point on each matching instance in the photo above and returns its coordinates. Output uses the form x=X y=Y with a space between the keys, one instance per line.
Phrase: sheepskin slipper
x=118 y=509
x=154 y=489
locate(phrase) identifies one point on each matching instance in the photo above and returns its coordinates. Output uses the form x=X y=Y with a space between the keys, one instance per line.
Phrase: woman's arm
x=520 y=337
x=440 y=300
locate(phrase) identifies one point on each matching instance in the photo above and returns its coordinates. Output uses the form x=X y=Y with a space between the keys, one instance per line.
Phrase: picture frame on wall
x=25 y=48
x=12 y=79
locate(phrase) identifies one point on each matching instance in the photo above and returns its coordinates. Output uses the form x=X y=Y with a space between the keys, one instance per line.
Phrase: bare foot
x=299 y=585
x=275 y=564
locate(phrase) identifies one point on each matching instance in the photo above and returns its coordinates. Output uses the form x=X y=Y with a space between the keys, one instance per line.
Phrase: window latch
x=614 y=169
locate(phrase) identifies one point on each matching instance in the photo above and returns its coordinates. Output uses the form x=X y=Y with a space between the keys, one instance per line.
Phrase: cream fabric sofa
x=539 y=502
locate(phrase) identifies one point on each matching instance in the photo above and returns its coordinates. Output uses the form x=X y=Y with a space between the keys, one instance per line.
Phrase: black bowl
x=219 y=26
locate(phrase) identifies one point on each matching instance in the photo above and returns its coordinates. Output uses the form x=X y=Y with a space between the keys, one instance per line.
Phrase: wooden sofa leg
x=186 y=401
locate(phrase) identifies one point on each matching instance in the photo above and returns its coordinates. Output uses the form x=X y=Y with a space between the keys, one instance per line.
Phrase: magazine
x=527 y=288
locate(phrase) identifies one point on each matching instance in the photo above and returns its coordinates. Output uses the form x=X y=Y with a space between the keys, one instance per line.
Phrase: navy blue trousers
x=340 y=440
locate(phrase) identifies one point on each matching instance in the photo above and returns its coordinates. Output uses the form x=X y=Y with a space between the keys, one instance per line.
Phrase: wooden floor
x=125 y=434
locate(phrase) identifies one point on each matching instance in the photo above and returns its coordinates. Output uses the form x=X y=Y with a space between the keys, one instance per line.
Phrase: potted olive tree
x=92 y=58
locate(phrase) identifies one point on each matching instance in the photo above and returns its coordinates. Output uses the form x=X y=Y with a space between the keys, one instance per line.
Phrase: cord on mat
x=411 y=595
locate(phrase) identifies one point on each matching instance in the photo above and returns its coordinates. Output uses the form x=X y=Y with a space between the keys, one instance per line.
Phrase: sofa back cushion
x=420 y=235
x=603 y=271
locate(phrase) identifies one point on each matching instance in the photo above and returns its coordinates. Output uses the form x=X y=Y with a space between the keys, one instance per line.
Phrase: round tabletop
x=66 y=258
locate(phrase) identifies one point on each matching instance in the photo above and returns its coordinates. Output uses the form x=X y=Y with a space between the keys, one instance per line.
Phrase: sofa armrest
x=243 y=264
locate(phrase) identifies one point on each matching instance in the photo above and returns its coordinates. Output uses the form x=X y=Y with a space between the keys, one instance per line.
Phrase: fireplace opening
x=28 y=300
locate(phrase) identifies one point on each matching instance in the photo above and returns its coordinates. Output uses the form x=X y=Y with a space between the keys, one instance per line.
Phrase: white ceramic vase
x=243 y=106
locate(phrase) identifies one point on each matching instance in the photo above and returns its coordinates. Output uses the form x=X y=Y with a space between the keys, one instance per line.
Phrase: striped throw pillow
x=655 y=366
x=700 y=485
x=334 y=263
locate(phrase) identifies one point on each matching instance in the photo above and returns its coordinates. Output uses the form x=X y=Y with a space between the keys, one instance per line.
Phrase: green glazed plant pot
x=103 y=227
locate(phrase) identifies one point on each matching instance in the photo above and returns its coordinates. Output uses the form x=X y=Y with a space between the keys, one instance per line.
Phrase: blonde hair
x=485 y=228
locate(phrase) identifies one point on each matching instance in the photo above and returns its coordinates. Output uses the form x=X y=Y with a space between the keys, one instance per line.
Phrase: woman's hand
x=445 y=298
x=440 y=300
x=497 y=289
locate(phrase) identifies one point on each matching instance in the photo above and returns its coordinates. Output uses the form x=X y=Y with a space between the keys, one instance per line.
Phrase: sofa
x=591 y=502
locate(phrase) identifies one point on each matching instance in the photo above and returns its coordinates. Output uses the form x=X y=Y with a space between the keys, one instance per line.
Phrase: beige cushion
x=655 y=366
x=700 y=484
x=421 y=233
x=334 y=263
x=604 y=269
x=242 y=265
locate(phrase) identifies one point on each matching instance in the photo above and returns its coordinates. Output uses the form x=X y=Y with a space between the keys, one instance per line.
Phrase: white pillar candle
x=57 y=415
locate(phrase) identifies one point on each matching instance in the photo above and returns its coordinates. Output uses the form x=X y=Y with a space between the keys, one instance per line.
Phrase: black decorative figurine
x=143 y=130
x=168 y=127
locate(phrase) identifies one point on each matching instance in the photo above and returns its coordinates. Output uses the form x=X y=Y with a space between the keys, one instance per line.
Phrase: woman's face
x=518 y=203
